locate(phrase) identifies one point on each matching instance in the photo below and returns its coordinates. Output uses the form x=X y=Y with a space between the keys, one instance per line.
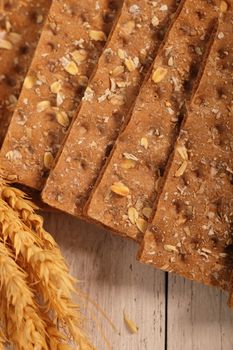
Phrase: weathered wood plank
x=198 y=317
x=109 y=273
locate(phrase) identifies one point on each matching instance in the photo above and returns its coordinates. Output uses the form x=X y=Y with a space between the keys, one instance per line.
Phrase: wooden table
x=172 y=313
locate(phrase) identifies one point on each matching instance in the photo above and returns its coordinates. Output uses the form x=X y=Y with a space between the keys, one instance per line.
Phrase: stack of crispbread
x=68 y=50
x=191 y=231
x=127 y=190
x=138 y=135
x=108 y=98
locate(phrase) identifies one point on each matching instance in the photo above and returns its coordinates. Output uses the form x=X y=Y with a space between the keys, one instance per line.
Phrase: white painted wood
x=198 y=317
x=109 y=273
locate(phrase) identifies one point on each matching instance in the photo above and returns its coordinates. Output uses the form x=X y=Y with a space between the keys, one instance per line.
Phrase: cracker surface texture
x=191 y=232
x=107 y=100
x=68 y=51
x=21 y=24
x=142 y=150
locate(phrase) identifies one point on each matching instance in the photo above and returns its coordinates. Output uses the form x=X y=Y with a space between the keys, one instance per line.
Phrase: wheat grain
x=24 y=327
x=46 y=271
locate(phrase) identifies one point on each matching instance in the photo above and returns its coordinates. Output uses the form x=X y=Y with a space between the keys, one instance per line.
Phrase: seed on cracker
x=128 y=27
x=5 y=44
x=159 y=74
x=141 y=225
x=42 y=106
x=121 y=54
x=56 y=87
x=97 y=35
x=182 y=150
x=144 y=142
x=29 y=82
x=133 y=215
x=129 y=63
x=120 y=189
x=48 y=160
x=62 y=118
x=171 y=248
x=147 y=212
x=71 y=68
x=181 y=169
x=128 y=164
x=79 y=55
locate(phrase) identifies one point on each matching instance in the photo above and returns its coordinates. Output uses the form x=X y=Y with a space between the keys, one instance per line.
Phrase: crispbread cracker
x=191 y=231
x=108 y=98
x=124 y=195
x=69 y=48
x=20 y=26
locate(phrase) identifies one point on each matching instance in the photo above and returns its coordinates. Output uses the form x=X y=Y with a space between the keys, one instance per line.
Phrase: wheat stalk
x=46 y=270
x=24 y=327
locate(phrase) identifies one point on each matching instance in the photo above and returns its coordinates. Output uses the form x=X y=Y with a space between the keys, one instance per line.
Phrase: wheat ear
x=48 y=273
x=25 y=209
x=24 y=327
x=54 y=338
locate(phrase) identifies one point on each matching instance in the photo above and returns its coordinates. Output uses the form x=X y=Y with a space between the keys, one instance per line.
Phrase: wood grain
x=109 y=273
x=193 y=317
x=198 y=317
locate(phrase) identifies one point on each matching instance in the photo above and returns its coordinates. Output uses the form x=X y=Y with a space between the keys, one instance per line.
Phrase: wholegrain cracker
x=193 y=214
x=107 y=100
x=71 y=42
x=148 y=138
x=20 y=26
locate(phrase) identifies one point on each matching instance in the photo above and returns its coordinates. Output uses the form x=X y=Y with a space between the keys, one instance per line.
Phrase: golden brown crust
x=108 y=98
x=69 y=48
x=142 y=150
x=191 y=231
x=20 y=26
